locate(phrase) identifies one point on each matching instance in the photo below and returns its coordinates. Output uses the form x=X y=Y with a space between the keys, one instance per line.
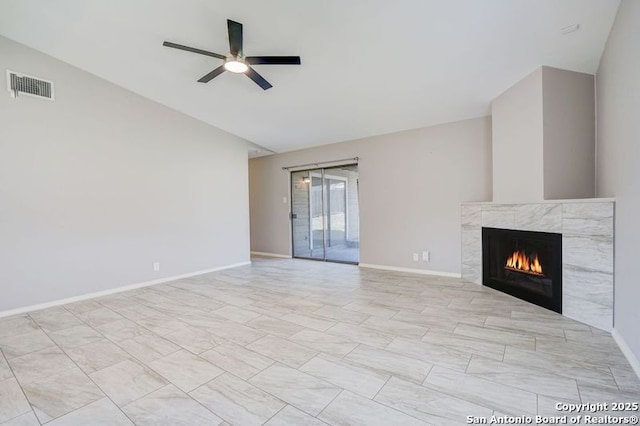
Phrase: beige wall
x=618 y=152
x=517 y=142
x=101 y=183
x=411 y=186
x=544 y=138
x=569 y=134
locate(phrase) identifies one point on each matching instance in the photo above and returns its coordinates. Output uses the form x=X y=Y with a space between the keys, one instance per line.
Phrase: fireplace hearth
x=524 y=264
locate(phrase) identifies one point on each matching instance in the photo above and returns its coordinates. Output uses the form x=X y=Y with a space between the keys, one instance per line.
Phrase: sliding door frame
x=321 y=173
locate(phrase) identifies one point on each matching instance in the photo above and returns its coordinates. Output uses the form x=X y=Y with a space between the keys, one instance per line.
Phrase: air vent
x=21 y=84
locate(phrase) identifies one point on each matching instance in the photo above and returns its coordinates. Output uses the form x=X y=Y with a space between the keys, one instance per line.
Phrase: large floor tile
x=282 y=350
x=237 y=401
x=60 y=394
x=275 y=326
x=335 y=313
x=26 y=419
x=350 y=376
x=148 y=348
x=185 y=370
x=395 y=327
x=75 y=336
x=390 y=362
x=465 y=344
x=503 y=337
x=55 y=319
x=102 y=412
x=168 y=406
x=17 y=324
x=83 y=306
x=560 y=365
x=237 y=360
x=360 y=334
x=435 y=354
x=236 y=314
x=23 y=344
x=96 y=356
x=13 y=402
x=236 y=333
x=373 y=310
x=483 y=392
x=308 y=321
x=5 y=371
x=40 y=365
x=127 y=381
x=324 y=342
x=195 y=339
x=123 y=329
x=351 y=409
x=297 y=388
x=289 y=416
x=535 y=381
x=98 y=317
x=428 y=405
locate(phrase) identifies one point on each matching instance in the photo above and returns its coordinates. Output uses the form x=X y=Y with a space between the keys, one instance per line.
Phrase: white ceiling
x=369 y=67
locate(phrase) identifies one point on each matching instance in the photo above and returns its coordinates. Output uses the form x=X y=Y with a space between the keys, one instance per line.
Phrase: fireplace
x=524 y=264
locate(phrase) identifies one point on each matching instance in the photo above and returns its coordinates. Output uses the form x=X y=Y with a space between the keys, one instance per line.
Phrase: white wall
x=618 y=152
x=411 y=186
x=569 y=134
x=100 y=183
x=517 y=142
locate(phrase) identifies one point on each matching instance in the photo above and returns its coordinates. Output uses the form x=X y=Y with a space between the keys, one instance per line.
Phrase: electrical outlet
x=156 y=266
x=426 y=256
x=415 y=257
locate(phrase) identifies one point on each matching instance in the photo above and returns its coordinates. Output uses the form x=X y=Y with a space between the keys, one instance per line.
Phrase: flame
x=520 y=261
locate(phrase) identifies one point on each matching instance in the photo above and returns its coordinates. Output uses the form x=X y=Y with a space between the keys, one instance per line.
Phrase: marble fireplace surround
x=587 y=248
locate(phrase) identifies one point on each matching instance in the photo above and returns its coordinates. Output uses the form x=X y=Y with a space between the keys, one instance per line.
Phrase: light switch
x=284 y=200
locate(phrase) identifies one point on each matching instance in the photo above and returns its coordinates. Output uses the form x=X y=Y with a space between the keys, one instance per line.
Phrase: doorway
x=325 y=214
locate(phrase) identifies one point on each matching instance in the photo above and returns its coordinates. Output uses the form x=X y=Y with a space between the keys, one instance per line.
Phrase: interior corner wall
x=518 y=172
x=569 y=134
x=411 y=186
x=618 y=152
x=100 y=183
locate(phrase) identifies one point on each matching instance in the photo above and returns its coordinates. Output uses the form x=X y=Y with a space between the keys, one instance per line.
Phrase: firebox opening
x=524 y=264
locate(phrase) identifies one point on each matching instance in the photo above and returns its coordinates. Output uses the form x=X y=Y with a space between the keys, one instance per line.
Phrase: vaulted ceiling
x=369 y=67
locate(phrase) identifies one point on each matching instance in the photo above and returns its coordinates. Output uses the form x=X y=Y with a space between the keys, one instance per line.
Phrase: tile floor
x=294 y=342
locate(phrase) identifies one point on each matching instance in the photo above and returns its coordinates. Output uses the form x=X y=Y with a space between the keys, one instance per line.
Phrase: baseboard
x=410 y=270
x=626 y=350
x=115 y=290
x=264 y=254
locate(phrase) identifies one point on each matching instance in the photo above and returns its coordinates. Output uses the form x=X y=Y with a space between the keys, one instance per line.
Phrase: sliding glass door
x=325 y=214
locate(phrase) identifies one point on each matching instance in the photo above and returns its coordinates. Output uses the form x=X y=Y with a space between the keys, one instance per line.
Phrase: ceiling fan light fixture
x=235 y=66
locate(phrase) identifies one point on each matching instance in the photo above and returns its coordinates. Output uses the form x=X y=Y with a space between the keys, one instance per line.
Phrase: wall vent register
x=21 y=84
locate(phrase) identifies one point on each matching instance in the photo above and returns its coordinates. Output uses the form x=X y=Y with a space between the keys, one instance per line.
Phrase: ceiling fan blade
x=235 y=37
x=192 y=49
x=258 y=79
x=213 y=74
x=273 y=60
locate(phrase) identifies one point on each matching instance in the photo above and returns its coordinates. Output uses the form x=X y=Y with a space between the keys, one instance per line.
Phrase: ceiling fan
x=236 y=61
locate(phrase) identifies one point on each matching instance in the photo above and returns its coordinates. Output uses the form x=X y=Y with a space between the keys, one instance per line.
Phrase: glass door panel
x=325 y=214
x=306 y=221
x=342 y=228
